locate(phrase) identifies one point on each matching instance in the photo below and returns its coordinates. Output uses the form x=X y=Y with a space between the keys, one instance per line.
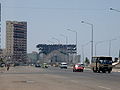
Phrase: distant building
x=33 y=57
x=3 y=55
x=57 y=53
x=16 y=41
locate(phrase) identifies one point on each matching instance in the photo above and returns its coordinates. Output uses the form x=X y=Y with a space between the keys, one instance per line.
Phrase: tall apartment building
x=16 y=41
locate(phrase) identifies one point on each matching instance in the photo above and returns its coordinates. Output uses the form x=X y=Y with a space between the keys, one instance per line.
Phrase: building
x=57 y=53
x=3 y=55
x=33 y=57
x=16 y=41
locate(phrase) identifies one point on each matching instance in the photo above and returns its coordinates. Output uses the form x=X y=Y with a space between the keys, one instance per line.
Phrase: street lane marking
x=104 y=87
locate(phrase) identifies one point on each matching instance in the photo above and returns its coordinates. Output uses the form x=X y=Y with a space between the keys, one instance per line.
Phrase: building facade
x=33 y=57
x=56 y=53
x=16 y=41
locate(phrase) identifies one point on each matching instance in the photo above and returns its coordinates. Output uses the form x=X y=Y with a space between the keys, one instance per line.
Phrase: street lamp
x=56 y=40
x=91 y=37
x=110 y=46
x=66 y=40
x=83 y=50
x=76 y=37
x=96 y=46
x=0 y=26
x=114 y=9
x=114 y=39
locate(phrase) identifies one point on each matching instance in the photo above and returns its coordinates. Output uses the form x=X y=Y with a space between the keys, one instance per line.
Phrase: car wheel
x=109 y=71
x=104 y=71
x=73 y=70
x=94 y=70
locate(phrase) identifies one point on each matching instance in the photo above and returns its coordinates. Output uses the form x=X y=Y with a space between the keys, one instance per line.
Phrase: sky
x=48 y=19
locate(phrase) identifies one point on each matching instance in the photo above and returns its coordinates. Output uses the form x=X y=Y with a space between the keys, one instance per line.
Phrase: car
x=63 y=65
x=78 y=67
x=44 y=65
x=37 y=65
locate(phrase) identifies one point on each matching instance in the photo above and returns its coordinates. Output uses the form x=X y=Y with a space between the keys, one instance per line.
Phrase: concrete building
x=56 y=53
x=16 y=41
x=33 y=57
x=3 y=55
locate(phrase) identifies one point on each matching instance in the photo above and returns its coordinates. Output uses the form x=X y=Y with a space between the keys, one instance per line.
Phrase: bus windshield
x=105 y=61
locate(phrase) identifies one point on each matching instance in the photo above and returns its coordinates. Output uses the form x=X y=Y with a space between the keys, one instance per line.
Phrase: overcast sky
x=50 y=18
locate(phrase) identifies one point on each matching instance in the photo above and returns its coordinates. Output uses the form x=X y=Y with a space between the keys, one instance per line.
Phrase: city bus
x=101 y=64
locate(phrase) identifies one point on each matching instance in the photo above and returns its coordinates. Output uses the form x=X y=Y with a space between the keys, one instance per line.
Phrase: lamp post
x=66 y=41
x=76 y=37
x=83 y=50
x=91 y=37
x=97 y=44
x=114 y=39
x=110 y=41
x=0 y=25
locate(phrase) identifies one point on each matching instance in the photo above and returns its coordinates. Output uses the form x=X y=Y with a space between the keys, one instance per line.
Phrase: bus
x=101 y=64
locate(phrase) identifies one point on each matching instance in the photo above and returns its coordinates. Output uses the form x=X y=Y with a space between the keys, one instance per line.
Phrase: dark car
x=78 y=67
x=37 y=65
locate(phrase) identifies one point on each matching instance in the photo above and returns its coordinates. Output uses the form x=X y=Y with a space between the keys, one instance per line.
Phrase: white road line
x=104 y=87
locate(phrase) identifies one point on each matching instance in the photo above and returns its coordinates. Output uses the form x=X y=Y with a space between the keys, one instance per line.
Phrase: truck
x=101 y=64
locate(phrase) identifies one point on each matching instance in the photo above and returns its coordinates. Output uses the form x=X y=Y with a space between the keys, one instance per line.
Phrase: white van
x=63 y=65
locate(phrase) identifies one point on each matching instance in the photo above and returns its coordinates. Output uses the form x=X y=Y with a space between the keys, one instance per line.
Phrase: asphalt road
x=95 y=81
x=54 y=78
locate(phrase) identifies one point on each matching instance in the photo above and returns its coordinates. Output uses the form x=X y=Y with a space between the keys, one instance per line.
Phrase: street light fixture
x=114 y=9
x=91 y=37
x=76 y=37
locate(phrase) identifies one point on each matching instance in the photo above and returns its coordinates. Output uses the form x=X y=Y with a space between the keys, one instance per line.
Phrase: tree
x=87 y=61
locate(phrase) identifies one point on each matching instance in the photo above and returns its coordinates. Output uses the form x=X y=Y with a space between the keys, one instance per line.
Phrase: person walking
x=8 y=67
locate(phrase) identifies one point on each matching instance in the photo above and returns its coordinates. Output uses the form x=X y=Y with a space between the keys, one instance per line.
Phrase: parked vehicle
x=101 y=63
x=44 y=65
x=78 y=67
x=37 y=65
x=63 y=65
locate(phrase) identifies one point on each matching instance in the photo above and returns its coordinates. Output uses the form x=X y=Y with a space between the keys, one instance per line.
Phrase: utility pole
x=91 y=37
x=119 y=53
x=0 y=25
x=110 y=41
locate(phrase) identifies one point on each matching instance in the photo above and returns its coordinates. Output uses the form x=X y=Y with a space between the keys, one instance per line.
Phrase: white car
x=63 y=65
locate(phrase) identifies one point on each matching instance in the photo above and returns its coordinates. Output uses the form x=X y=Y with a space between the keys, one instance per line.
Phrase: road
x=54 y=78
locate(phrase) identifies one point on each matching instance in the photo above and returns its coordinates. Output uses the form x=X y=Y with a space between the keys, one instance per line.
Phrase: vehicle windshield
x=78 y=65
x=63 y=64
x=105 y=61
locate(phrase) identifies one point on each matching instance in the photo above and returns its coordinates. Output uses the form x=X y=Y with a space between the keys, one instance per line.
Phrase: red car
x=78 y=67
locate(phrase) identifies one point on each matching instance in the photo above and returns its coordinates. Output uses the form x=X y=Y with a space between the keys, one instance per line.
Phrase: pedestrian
x=8 y=67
